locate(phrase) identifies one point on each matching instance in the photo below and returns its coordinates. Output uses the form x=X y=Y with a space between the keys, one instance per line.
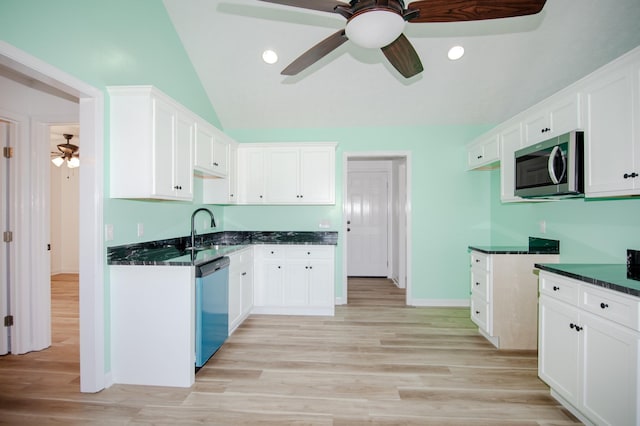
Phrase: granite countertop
x=176 y=252
x=611 y=276
x=536 y=246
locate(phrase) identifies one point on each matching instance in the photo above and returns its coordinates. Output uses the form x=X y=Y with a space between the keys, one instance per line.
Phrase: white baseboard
x=458 y=303
x=290 y=310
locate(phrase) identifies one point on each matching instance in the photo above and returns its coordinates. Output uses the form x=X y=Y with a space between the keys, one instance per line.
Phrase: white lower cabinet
x=294 y=279
x=589 y=349
x=240 y=287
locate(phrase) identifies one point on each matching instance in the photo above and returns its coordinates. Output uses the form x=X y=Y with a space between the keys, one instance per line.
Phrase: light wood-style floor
x=376 y=362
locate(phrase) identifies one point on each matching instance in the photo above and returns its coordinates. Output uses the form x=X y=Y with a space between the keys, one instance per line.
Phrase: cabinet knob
x=261 y=196
x=306 y=267
x=348 y=229
x=279 y=267
x=556 y=288
x=308 y=252
x=477 y=283
x=244 y=273
x=178 y=187
x=479 y=157
x=216 y=164
x=231 y=195
x=604 y=305
x=272 y=252
x=477 y=312
x=477 y=260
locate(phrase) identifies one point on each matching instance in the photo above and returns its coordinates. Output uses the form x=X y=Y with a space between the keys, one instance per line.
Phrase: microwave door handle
x=552 y=172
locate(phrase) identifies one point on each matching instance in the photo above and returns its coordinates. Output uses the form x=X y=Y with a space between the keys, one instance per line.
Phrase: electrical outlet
x=543 y=226
x=140 y=229
x=108 y=232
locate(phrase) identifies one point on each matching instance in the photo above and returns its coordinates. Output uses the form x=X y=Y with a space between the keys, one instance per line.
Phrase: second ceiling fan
x=379 y=24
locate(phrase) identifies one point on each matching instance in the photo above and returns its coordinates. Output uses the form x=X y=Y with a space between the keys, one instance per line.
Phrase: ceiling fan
x=68 y=152
x=379 y=24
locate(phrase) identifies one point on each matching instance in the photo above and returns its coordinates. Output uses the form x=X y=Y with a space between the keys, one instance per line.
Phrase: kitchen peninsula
x=153 y=293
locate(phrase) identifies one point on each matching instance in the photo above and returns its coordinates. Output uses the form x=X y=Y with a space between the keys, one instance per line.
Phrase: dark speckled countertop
x=175 y=251
x=611 y=276
x=536 y=246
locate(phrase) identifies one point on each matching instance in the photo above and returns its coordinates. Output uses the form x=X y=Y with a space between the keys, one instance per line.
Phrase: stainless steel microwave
x=553 y=168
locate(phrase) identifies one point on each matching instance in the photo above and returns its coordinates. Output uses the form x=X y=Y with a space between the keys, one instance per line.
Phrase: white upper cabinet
x=612 y=137
x=151 y=145
x=217 y=190
x=287 y=173
x=555 y=116
x=251 y=175
x=211 y=150
x=484 y=151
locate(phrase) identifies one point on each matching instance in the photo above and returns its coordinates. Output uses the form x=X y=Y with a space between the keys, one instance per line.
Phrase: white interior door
x=367 y=223
x=4 y=251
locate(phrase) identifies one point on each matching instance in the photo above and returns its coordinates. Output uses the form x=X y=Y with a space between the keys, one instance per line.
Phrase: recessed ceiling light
x=269 y=56
x=455 y=53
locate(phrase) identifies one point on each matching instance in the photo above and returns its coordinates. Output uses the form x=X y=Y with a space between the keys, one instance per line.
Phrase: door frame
x=405 y=266
x=91 y=258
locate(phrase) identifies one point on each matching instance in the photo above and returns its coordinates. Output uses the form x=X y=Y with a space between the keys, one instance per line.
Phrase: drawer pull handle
x=556 y=288
x=576 y=327
x=604 y=305
x=244 y=273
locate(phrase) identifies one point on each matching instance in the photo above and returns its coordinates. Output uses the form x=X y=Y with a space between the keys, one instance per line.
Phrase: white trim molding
x=92 y=259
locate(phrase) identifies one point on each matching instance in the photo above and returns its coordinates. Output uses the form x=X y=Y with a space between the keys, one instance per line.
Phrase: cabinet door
x=273 y=280
x=610 y=372
x=235 y=292
x=282 y=171
x=246 y=283
x=296 y=283
x=565 y=114
x=183 y=157
x=321 y=291
x=317 y=175
x=558 y=346
x=203 y=148
x=164 y=130
x=220 y=156
x=232 y=174
x=611 y=147
x=536 y=127
x=511 y=139
x=252 y=174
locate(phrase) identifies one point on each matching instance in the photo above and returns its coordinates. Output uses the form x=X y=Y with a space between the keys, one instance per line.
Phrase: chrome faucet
x=193 y=228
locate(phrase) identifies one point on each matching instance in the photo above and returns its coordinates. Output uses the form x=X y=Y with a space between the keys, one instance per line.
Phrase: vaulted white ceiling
x=509 y=64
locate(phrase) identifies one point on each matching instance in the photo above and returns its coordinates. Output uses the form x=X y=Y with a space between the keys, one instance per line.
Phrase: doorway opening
x=377 y=225
x=31 y=163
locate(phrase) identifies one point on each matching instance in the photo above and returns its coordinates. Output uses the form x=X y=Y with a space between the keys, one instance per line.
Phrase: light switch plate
x=108 y=232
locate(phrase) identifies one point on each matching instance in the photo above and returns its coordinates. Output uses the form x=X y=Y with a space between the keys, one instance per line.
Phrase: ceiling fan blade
x=316 y=53
x=321 y=5
x=472 y=10
x=403 y=57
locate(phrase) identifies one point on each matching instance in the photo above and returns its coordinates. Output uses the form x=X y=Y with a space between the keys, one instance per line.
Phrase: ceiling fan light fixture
x=57 y=161
x=73 y=162
x=374 y=29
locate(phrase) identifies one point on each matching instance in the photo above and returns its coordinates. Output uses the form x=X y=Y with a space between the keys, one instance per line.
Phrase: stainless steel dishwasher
x=212 y=308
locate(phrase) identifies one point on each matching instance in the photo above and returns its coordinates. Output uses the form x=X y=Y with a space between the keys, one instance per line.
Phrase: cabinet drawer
x=271 y=251
x=612 y=306
x=310 y=252
x=559 y=288
x=480 y=314
x=479 y=281
x=480 y=261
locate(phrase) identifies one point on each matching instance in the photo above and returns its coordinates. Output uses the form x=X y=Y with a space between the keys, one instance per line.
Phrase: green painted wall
x=449 y=207
x=589 y=230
